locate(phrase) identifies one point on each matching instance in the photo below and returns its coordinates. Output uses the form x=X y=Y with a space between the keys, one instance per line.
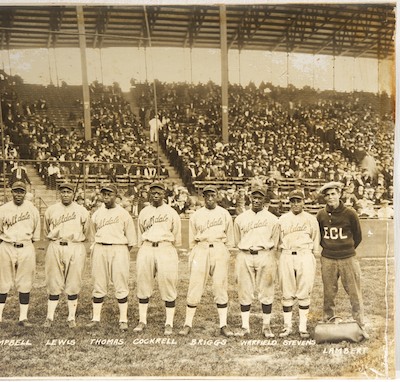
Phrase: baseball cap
x=157 y=185
x=296 y=194
x=209 y=188
x=260 y=189
x=69 y=186
x=330 y=185
x=109 y=187
x=18 y=186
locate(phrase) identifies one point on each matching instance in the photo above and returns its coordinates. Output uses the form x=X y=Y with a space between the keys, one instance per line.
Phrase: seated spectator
x=18 y=173
x=367 y=210
x=385 y=212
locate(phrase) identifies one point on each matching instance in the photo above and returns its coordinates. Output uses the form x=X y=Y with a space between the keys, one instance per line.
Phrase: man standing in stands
x=340 y=236
x=210 y=238
x=66 y=226
x=18 y=173
x=159 y=231
x=114 y=237
x=19 y=228
x=155 y=125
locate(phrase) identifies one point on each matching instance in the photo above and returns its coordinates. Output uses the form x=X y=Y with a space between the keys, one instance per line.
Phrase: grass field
x=63 y=352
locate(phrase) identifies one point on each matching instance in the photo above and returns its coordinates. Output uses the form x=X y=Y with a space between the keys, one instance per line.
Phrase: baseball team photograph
x=198 y=191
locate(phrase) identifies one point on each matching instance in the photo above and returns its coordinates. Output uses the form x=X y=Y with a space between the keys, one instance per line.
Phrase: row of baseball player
x=267 y=247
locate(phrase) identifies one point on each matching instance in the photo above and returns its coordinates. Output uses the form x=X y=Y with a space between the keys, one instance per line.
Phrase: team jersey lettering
x=10 y=221
x=253 y=225
x=148 y=223
x=210 y=224
x=334 y=233
x=103 y=222
x=64 y=219
x=294 y=228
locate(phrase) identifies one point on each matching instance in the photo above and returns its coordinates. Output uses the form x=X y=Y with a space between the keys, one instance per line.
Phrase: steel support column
x=224 y=72
x=85 y=85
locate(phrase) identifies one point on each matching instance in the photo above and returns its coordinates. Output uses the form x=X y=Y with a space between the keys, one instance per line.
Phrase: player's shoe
x=168 y=330
x=224 y=331
x=242 y=332
x=48 y=323
x=267 y=332
x=287 y=331
x=93 y=325
x=140 y=327
x=185 y=331
x=25 y=324
x=304 y=335
x=71 y=324
x=123 y=326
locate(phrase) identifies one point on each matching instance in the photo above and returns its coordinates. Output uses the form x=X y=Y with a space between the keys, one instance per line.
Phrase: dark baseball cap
x=296 y=194
x=209 y=188
x=260 y=189
x=109 y=187
x=18 y=186
x=69 y=186
x=157 y=185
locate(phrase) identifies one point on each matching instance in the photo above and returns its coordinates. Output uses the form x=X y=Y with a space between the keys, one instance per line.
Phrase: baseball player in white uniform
x=19 y=228
x=256 y=262
x=66 y=226
x=159 y=231
x=210 y=239
x=299 y=239
x=114 y=237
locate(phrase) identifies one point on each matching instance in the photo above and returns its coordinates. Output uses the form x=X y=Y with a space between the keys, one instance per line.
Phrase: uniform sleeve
x=92 y=228
x=230 y=236
x=36 y=229
x=46 y=223
x=86 y=225
x=192 y=231
x=236 y=231
x=130 y=231
x=140 y=229
x=177 y=229
x=275 y=235
x=315 y=236
x=356 y=229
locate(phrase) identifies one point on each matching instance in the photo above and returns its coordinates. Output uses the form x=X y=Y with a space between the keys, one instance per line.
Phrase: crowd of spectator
x=275 y=134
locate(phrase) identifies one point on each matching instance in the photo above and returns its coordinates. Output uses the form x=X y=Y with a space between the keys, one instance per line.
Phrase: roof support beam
x=224 y=72
x=55 y=22
x=197 y=18
x=102 y=19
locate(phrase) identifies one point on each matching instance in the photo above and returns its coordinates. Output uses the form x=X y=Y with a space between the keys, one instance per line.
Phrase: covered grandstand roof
x=357 y=30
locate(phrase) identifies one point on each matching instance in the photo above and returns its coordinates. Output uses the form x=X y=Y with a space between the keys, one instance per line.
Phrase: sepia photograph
x=197 y=190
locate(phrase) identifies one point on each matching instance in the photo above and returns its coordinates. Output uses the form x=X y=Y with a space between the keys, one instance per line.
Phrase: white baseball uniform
x=19 y=228
x=210 y=238
x=299 y=239
x=66 y=227
x=159 y=231
x=256 y=265
x=114 y=232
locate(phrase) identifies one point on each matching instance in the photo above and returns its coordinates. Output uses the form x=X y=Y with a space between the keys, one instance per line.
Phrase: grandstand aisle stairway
x=42 y=196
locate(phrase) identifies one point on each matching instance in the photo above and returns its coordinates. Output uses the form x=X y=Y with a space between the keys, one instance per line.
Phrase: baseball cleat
x=287 y=331
x=25 y=324
x=185 y=331
x=242 y=332
x=47 y=323
x=123 y=326
x=268 y=332
x=71 y=324
x=93 y=324
x=140 y=327
x=168 y=330
x=364 y=333
x=304 y=335
x=224 y=331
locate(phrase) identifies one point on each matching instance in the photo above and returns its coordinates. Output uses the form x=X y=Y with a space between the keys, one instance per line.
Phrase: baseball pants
x=205 y=262
x=350 y=273
x=296 y=276
x=110 y=264
x=18 y=266
x=256 y=273
x=157 y=262
x=64 y=266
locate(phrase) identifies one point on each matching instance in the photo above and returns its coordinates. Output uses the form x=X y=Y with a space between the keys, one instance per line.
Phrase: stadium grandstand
x=228 y=135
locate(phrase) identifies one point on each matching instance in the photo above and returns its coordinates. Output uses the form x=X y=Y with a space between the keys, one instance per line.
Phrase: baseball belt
x=156 y=243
